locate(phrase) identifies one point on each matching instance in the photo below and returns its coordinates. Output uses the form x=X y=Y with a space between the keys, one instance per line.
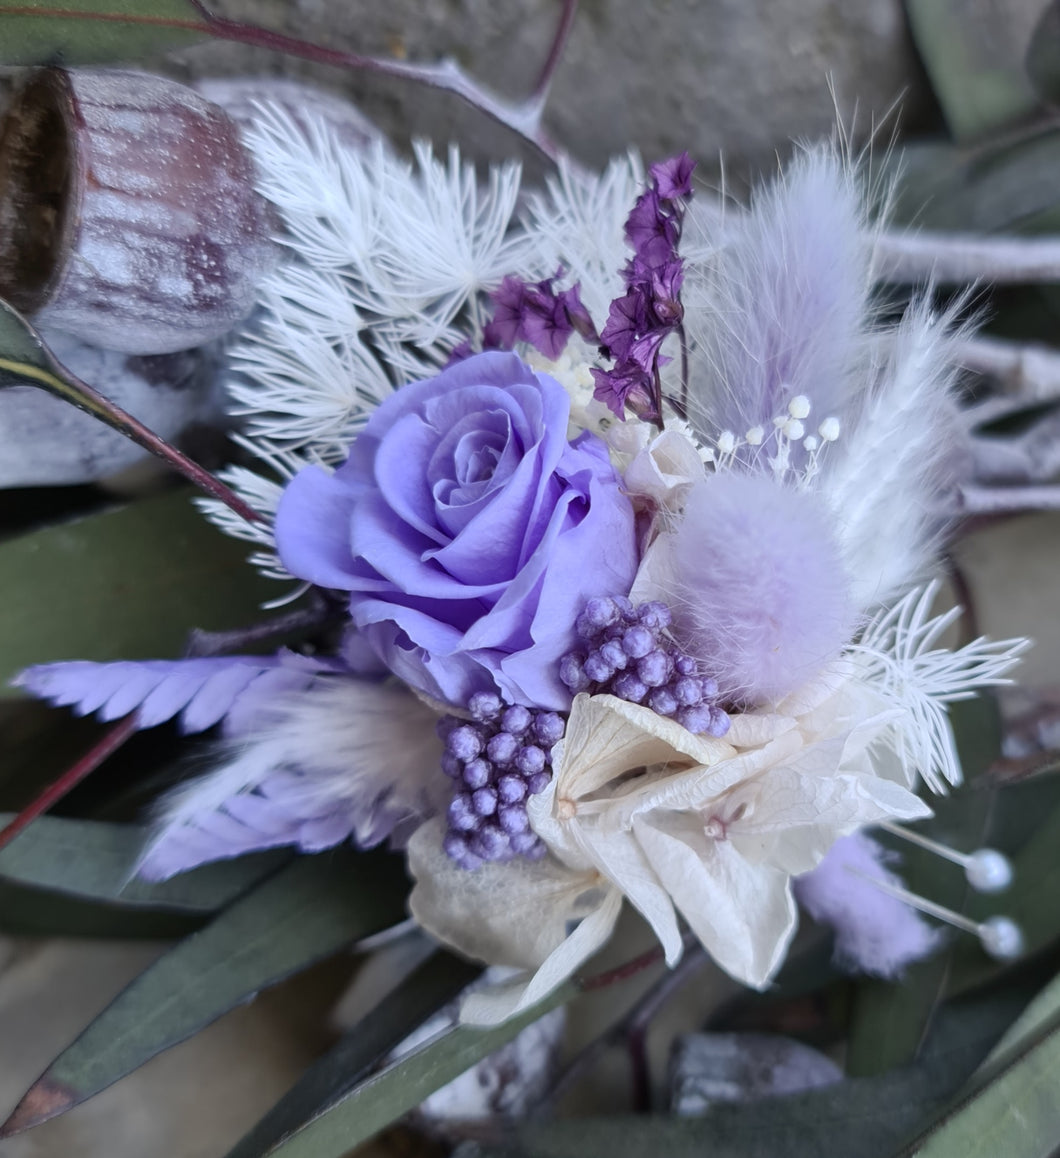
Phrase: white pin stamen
x=1000 y=937
x=755 y=436
x=829 y=429
x=726 y=442
x=794 y=429
x=986 y=870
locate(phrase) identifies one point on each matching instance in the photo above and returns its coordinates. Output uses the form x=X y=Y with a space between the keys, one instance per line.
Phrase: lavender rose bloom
x=468 y=531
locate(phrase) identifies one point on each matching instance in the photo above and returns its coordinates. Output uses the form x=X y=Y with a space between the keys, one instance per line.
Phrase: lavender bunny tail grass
x=201 y=691
x=345 y=759
x=781 y=308
x=874 y=932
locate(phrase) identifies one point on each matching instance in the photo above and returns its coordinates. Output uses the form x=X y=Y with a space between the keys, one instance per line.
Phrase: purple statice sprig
x=627 y=652
x=650 y=311
x=535 y=312
x=497 y=761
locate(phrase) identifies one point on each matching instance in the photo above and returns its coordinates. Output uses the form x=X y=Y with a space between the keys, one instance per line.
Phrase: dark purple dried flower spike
x=640 y=321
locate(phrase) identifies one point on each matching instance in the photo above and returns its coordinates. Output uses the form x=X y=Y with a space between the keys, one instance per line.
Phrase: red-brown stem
x=523 y=117
x=621 y=972
x=142 y=435
x=69 y=780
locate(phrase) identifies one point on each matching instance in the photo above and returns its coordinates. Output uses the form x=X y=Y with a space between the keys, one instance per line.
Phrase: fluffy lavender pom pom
x=761 y=596
x=875 y=932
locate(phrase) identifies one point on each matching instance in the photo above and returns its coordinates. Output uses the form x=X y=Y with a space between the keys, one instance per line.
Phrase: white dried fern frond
x=903 y=665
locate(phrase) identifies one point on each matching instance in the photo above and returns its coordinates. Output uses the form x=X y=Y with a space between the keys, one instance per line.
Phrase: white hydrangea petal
x=607 y=736
x=743 y=913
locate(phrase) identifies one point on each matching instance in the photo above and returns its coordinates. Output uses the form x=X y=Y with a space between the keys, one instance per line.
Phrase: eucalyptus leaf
x=857 y=1118
x=303 y=914
x=128 y=583
x=973 y=51
x=1043 y=54
x=1013 y=1109
x=386 y=1096
x=78 y=32
x=93 y=860
x=1006 y=186
x=427 y=989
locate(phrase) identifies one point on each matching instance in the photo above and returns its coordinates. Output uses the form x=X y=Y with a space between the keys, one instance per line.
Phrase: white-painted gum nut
x=128 y=213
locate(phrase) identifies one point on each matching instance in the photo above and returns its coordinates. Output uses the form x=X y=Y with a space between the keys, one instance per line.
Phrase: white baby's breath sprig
x=904 y=666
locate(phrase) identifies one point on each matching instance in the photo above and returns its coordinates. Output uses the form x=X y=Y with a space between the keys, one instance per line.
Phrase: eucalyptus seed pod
x=128 y=214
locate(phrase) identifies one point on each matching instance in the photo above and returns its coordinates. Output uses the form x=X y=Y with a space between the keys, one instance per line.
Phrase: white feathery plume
x=345 y=757
x=778 y=302
x=889 y=470
x=903 y=665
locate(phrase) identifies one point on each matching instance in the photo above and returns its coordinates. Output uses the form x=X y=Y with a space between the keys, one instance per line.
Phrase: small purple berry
x=457 y=849
x=477 y=773
x=709 y=687
x=516 y=719
x=461 y=815
x=513 y=819
x=548 y=728
x=663 y=702
x=601 y=612
x=687 y=690
x=719 y=722
x=612 y=653
x=629 y=687
x=625 y=608
x=490 y=842
x=484 y=706
x=637 y=642
x=571 y=672
x=597 y=668
x=695 y=719
x=530 y=760
x=451 y=766
x=528 y=844
x=538 y=782
x=654 y=615
x=501 y=748
x=511 y=789
x=484 y=801
x=685 y=665
x=654 y=668
x=465 y=742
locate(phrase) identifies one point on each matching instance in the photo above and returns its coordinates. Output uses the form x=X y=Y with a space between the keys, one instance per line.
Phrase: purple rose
x=468 y=531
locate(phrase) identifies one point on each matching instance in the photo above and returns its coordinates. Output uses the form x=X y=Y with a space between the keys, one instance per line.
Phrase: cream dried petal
x=492 y=1006
x=516 y=913
x=607 y=737
x=664 y=469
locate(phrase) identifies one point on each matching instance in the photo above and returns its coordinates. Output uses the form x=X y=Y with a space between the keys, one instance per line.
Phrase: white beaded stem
x=999 y=936
x=987 y=870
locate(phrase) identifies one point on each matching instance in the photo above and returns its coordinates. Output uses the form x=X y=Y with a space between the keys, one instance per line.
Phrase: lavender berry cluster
x=628 y=653
x=497 y=761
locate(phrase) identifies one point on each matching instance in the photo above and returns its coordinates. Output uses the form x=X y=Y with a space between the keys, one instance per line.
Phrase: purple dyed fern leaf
x=202 y=691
